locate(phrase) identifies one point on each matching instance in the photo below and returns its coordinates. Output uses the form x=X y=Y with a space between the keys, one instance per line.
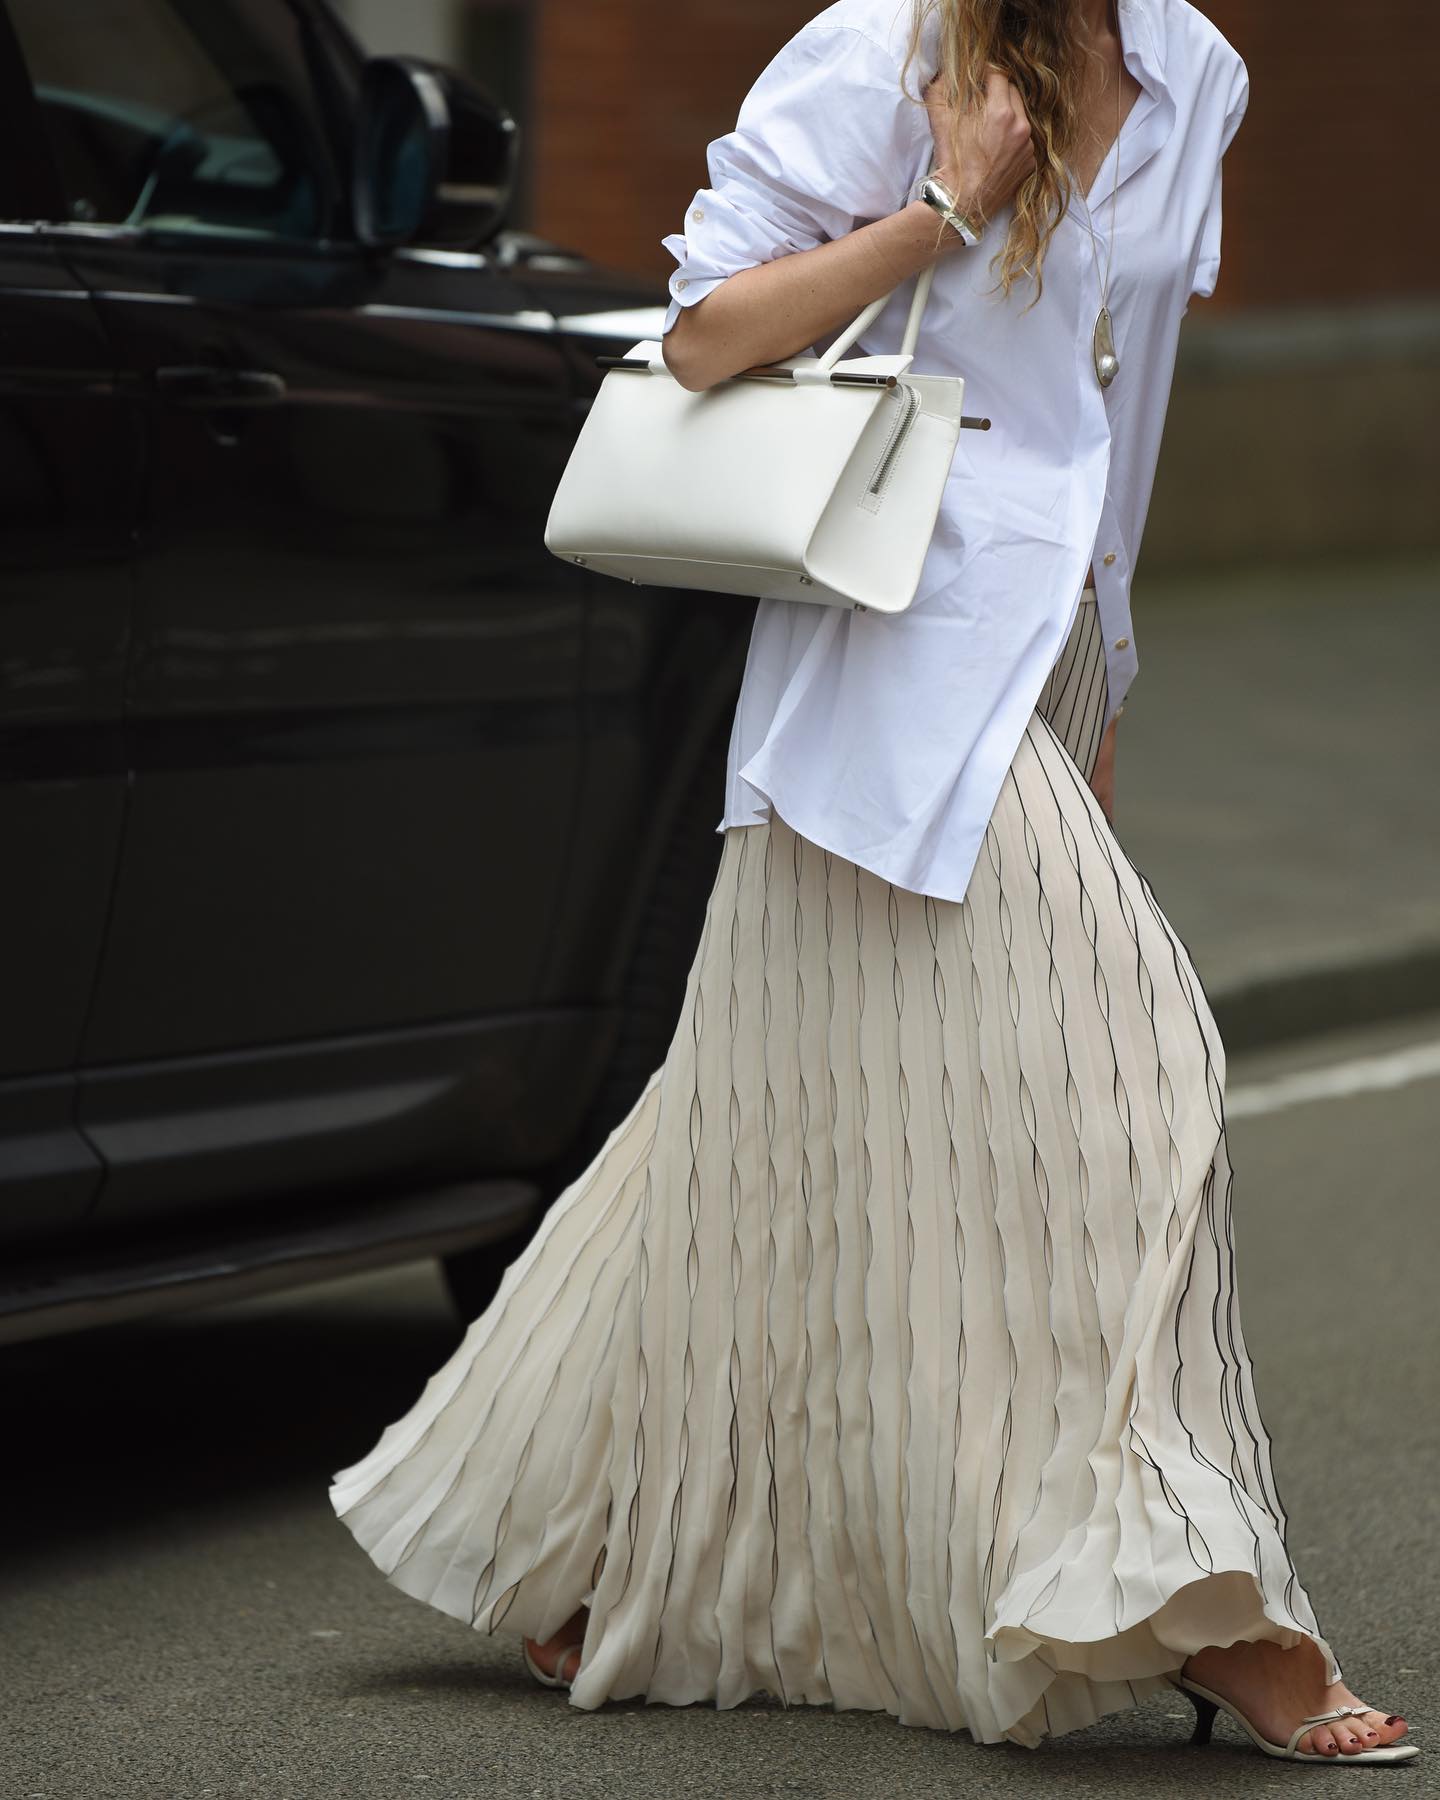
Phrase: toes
x=1378 y=1728
x=1321 y=1741
x=1348 y=1733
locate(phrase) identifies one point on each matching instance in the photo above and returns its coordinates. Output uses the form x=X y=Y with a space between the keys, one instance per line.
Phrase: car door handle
x=201 y=385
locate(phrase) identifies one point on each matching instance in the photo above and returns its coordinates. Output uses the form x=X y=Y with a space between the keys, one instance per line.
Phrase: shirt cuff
x=708 y=255
x=685 y=290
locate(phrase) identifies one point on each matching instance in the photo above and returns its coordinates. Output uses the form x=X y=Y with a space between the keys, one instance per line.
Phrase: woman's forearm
x=780 y=308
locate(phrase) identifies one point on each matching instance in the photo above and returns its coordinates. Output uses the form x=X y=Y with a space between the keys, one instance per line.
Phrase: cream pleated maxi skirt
x=887 y=1354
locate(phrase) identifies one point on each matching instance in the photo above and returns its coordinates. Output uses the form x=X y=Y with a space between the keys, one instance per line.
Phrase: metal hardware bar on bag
x=769 y=372
x=761 y=372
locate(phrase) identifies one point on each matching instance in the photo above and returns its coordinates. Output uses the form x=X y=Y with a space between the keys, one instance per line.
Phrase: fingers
x=997 y=87
x=1002 y=99
x=1007 y=105
x=1024 y=131
x=1001 y=92
x=988 y=148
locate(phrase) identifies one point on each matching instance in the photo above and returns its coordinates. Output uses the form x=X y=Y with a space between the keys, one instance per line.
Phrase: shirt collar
x=1143 y=36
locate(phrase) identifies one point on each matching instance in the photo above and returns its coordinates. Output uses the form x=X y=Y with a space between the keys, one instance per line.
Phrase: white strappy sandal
x=1207 y=1704
x=550 y=1681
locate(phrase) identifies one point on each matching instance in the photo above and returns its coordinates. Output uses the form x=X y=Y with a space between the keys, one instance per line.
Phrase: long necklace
x=1107 y=363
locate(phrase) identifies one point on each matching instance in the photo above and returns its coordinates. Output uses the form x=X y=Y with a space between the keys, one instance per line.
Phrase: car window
x=183 y=114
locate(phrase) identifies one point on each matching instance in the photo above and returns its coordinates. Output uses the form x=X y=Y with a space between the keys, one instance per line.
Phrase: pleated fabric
x=887 y=1354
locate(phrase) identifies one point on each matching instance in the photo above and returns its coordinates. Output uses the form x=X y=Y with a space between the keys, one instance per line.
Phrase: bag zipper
x=910 y=405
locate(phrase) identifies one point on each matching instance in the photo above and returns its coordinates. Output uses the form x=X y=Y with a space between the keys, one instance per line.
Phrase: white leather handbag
x=808 y=479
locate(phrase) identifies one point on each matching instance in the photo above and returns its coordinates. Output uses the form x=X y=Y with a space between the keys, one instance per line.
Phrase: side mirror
x=435 y=156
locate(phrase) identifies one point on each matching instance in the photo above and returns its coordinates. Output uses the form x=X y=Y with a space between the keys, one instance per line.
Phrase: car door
x=69 y=479
x=351 y=704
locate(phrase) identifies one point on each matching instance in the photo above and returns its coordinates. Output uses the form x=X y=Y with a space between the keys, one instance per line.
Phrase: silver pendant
x=1107 y=363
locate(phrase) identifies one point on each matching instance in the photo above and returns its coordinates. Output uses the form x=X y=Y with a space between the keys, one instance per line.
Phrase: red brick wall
x=1330 y=187
x=627 y=93
x=1330 y=184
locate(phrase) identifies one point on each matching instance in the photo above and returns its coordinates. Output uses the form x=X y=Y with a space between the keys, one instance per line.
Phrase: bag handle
x=872 y=312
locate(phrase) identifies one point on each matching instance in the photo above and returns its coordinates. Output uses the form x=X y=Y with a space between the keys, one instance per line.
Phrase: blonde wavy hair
x=1040 y=46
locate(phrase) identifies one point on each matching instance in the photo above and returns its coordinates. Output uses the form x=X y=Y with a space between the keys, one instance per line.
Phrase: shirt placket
x=1112 y=599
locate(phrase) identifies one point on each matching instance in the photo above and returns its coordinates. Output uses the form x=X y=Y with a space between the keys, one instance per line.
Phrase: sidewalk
x=1276 y=782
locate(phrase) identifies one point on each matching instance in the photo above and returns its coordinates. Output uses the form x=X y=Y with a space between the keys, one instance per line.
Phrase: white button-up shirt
x=887 y=738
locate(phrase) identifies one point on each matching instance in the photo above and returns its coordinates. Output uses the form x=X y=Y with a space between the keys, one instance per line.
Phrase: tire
x=651 y=998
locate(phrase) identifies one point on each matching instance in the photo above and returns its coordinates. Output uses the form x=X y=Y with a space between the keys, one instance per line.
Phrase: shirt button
x=697 y=212
x=1120 y=643
x=682 y=282
x=1109 y=558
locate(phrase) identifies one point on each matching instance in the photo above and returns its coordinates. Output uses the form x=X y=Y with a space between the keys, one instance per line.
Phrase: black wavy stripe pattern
x=888 y=1353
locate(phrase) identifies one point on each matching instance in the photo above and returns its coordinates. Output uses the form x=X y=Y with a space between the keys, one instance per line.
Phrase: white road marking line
x=1363 y=1075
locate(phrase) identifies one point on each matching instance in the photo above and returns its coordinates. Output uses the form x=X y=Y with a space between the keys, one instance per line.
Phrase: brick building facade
x=1333 y=156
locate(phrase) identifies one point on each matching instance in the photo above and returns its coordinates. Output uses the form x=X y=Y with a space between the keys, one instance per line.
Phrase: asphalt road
x=183 y=1616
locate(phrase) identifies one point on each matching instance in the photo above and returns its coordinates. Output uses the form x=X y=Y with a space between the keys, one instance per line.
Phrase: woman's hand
x=1102 y=776
x=993 y=150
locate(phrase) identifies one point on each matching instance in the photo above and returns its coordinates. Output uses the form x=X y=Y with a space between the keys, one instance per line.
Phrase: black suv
x=353 y=848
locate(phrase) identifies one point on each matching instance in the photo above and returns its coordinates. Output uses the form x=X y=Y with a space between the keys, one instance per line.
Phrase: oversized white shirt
x=886 y=738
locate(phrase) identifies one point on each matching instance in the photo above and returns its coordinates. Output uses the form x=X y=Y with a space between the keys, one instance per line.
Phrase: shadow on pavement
x=194 y=1413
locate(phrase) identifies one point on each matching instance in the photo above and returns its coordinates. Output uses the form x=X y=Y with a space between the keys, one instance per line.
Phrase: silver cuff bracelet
x=938 y=197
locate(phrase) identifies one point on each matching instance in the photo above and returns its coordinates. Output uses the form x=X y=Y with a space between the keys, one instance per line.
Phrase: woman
x=887 y=1354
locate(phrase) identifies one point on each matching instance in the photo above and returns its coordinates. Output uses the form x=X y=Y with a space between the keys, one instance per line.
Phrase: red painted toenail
x=1394 y=1719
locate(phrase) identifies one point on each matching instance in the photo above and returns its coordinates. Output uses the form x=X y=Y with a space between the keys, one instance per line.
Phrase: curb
x=1279 y=1008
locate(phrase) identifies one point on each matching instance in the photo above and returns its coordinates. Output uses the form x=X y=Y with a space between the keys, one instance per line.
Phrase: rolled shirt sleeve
x=1207 y=265
x=826 y=139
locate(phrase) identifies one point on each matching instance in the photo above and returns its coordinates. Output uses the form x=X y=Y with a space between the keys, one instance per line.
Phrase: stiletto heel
x=1205 y=1711
x=1207 y=1704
